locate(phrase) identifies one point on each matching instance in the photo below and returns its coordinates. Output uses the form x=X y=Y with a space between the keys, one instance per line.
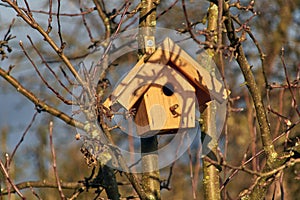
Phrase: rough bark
x=261 y=186
x=149 y=146
x=150 y=176
x=211 y=183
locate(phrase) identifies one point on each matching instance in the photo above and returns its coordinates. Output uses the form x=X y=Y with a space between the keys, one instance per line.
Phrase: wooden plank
x=123 y=84
x=148 y=73
x=158 y=104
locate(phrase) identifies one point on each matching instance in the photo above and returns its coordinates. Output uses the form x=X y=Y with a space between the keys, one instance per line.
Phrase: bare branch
x=62 y=196
x=45 y=184
x=41 y=105
x=50 y=17
x=258 y=154
x=191 y=174
x=22 y=138
x=85 y=23
x=62 y=43
x=6 y=175
x=253 y=89
x=68 y=102
x=294 y=103
x=104 y=18
x=50 y=41
x=43 y=79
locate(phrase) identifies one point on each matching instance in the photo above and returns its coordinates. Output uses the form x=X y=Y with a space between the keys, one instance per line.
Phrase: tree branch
x=105 y=19
x=211 y=172
x=30 y=21
x=40 y=105
x=45 y=184
x=253 y=89
x=62 y=196
x=6 y=175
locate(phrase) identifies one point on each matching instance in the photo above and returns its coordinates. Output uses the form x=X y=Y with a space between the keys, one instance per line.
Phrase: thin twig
x=41 y=105
x=113 y=37
x=62 y=43
x=47 y=38
x=7 y=36
x=54 y=161
x=67 y=77
x=191 y=173
x=28 y=11
x=22 y=138
x=104 y=18
x=4 y=172
x=286 y=120
x=68 y=102
x=294 y=103
x=50 y=17
x=293 y=85
x=7 y=167
x=290 y=162
x=252 y=128
x=197 y=165
x=166 y=10
x=188 y=23
x=258 y=154
x=79 y=185
x=262 y=55
x=166 y=184
x=50 y=69
x=280 y=110
x=281 y=185
x=88 y=11
x=219 y=29
x=253 y=88
x=85 y=23
x=35 y=194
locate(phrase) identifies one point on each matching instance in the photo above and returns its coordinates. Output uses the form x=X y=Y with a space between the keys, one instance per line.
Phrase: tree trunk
x=150 y=176
x=210 y=172
x=149 y=146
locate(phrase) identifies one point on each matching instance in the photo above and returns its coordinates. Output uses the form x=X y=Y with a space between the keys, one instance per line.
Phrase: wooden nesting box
x=164 y=88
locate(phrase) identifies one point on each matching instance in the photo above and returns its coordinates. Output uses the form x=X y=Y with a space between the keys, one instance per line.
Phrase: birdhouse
x=164 y=89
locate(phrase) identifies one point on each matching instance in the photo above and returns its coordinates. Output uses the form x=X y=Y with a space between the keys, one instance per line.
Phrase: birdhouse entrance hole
x=168 y=89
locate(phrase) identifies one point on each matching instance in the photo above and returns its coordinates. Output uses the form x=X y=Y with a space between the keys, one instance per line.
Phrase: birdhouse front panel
x=168 y=103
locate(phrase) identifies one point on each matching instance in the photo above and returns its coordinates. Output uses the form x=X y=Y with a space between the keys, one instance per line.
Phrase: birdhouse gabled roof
x=148 y=68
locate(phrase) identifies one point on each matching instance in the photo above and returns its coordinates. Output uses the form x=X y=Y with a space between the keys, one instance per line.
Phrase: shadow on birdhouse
x=164 y=89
